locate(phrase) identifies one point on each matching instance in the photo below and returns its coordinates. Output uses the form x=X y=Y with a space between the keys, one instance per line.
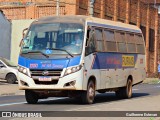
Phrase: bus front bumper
x=70 y=82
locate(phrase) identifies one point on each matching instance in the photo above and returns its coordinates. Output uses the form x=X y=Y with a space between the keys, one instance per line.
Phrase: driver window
x=40 y=40
x=91 y=43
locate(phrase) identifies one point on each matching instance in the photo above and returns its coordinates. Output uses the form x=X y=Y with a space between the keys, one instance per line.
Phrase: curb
x=151 y=81
x=12 y=94
x=7 y=94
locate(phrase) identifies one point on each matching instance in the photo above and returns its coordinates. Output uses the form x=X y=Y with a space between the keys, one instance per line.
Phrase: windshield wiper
x=61 y=50
x=47 y=56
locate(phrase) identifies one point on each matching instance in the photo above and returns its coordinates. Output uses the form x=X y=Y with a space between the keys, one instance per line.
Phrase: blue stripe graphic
x=49 y=64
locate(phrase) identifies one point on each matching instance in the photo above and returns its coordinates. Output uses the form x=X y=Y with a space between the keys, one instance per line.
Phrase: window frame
x=105 y=40
x=126 y=41
x=95 y=38
x=87 y=52
x=140 y=43
x=129 y=42
x=119 y=41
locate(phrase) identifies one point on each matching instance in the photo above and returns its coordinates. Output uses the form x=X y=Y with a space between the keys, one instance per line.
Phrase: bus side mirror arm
x=21 y=42
x=24 y=32
x=23 y=35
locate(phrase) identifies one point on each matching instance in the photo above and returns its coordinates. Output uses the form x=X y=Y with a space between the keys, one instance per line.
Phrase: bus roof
x=90 y=20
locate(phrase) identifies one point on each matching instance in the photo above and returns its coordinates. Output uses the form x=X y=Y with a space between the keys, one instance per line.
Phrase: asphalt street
x=143 y=96
x=18 y=103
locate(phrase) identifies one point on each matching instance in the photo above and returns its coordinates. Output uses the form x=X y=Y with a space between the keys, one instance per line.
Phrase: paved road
x=145 y=98
x=18 y=102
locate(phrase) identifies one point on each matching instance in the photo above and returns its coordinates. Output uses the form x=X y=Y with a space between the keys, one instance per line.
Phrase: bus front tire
x=89 y=95
x=31 y=97
x=125 y=92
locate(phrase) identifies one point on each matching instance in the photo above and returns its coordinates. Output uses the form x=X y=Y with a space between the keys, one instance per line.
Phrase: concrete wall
x=16 y=36
x=5 y=37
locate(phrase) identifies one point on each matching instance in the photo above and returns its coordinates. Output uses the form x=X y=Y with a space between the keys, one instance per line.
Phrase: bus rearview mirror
x=21 y=42
x=24 y=32
x=23 y=35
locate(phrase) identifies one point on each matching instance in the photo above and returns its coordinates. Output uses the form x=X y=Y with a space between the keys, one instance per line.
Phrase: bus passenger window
x=99 y=40
x=131 y=46
x=122 y=47
x=139 y=39
x=130 y=38
x=120 y=38
x=110 y=42
x=140 y=48
x=140 y=44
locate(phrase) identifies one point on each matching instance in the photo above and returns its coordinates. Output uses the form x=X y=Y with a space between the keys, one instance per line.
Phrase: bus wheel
x=125 y=92
x=31 y=97
x=89 y=95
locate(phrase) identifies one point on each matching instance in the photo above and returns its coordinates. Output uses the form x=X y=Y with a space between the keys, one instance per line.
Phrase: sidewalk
x=151 y=80
x=12 y=89
x=9 y=89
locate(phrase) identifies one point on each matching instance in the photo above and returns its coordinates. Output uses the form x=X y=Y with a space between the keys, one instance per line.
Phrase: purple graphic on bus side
x=114 y=60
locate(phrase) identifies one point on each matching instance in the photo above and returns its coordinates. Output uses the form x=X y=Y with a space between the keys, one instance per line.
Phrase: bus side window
x=140 y=44
x=131 y=46
x=121 y=44
x=110 y=41
x=99 y=40
x=90 y=48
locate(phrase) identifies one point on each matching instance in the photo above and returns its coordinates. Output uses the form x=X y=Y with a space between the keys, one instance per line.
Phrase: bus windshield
x=54 y=38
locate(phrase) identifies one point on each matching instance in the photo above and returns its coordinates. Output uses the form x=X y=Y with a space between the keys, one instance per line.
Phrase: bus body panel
x=108 y=67
x=49 y=63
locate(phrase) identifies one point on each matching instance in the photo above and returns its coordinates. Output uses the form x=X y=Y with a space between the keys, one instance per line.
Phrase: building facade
x=5 y=40
x=135 y=12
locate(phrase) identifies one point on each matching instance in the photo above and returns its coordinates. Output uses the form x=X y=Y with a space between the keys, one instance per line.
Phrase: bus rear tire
x=125 y=92
x=89 y=95
x=31 y=97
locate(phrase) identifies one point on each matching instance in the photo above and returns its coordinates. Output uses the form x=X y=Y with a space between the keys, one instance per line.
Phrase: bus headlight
x=23 y=70
x=72 y=70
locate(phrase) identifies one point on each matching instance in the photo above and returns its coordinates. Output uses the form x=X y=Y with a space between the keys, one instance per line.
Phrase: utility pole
x=57 y=7
x=155 y=3
x=91 y=7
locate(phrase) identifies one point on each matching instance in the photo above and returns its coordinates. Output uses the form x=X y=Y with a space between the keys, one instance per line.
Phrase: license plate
x=45 y=79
